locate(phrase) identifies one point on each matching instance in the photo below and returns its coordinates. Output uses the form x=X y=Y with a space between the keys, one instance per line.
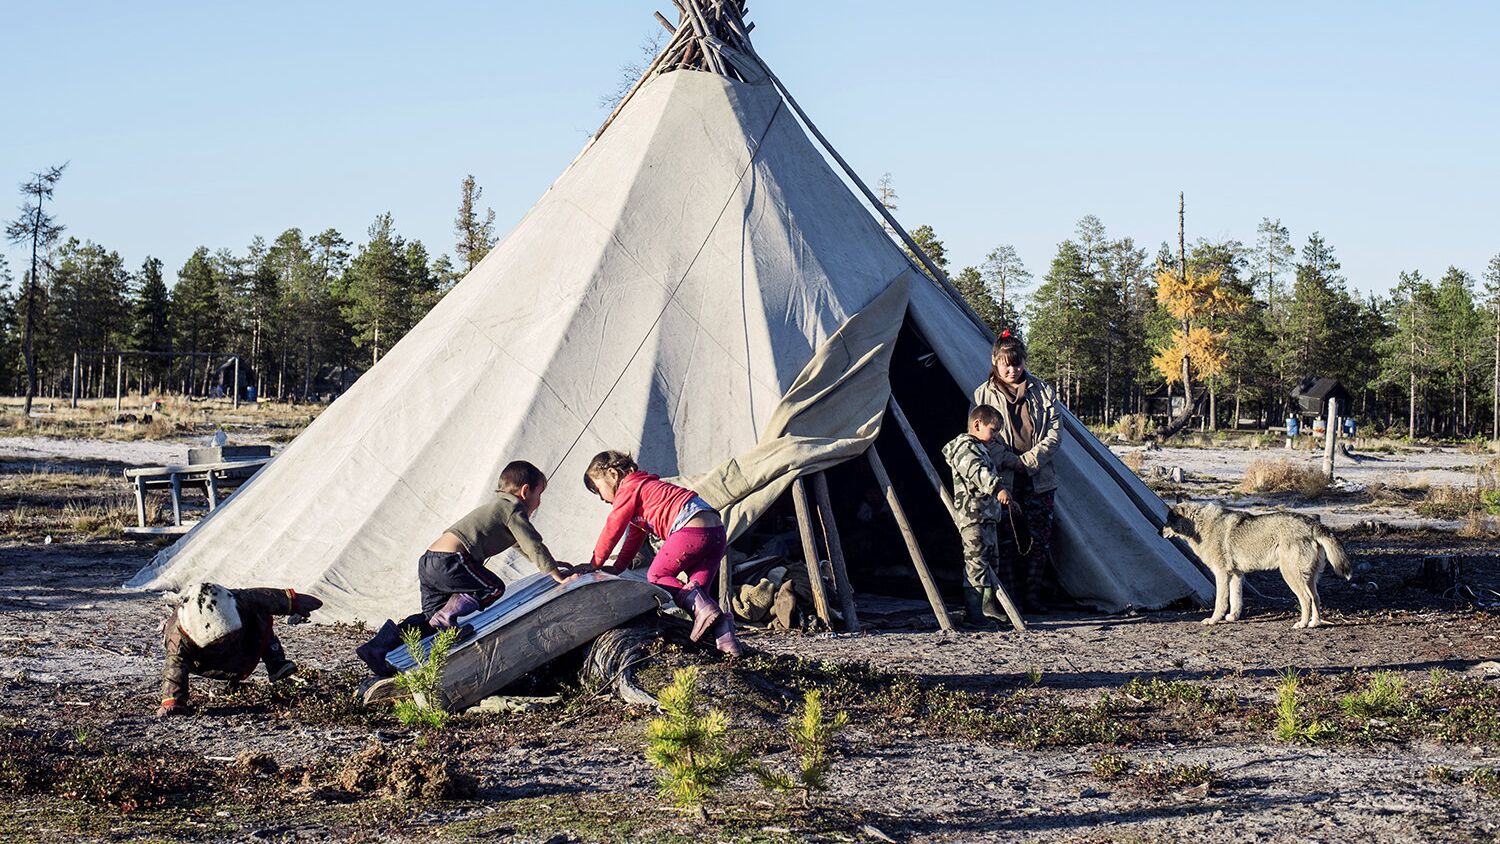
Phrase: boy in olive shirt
x=451 y=574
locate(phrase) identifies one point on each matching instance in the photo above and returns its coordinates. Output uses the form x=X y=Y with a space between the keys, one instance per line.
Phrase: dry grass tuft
x=1284 y=476
x=1133 y=460
x=1133 y=426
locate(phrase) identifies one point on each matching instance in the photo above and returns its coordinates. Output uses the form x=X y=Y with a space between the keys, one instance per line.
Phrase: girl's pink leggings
x=694 y=551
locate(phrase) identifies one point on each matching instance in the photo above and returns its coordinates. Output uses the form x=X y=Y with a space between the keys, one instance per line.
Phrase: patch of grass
x=1384 y=695
x=1161 y=778
x=1284 y=476
x=1109 y=767
x=1486 y=780
x=1134 y=427
x=1179 y=695
x=1291 y=725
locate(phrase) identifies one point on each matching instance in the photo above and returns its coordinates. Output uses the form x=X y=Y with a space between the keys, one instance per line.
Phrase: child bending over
x=980 y=490
x=222 y=634
x=693 y=534
x=451 y=574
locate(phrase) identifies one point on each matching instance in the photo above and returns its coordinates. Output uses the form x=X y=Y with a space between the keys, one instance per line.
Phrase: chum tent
x=700 y=288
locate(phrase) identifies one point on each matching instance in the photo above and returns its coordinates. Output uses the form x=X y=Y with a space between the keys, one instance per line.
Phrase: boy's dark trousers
x=443 y=574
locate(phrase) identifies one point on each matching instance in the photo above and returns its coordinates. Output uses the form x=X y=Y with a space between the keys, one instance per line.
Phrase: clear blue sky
x=1377 y=124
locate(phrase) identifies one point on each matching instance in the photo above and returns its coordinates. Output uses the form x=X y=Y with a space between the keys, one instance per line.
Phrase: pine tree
x=39 y=230
x=1492 y=290
x=196 y=315
x=1004 y=274
x=375 y=288
x=475 y=236
x=1406 y=350
x=1057 y=323
x=970 y=284
x=151 y=312
x=1458 y=354
x=927 y=240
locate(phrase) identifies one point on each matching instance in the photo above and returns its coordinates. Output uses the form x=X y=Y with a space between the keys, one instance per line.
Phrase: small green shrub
x=689 y=749
x=424 y=682
x=812 y=737
x=1385 y=695
x=1290 y=726
x=1109 y=767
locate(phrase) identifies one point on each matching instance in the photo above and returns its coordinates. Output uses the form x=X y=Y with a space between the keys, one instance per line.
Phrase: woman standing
x=1026 y=443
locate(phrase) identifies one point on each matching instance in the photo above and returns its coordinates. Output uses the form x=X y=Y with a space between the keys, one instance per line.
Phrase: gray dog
x=1231 y=542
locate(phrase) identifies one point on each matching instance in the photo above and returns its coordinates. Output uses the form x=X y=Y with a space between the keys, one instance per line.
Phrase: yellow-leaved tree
x=1196 y=299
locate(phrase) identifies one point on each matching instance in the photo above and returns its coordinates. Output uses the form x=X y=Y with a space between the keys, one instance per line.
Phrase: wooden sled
x=537 y=621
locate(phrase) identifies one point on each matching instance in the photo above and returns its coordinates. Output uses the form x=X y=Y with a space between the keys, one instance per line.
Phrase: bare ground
x=1057 y=734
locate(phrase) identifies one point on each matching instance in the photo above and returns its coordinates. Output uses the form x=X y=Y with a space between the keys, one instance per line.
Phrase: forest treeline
x=1116 y=328
x=304 y=312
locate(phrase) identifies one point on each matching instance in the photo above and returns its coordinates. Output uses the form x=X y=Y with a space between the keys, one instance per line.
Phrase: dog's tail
x=1335 y=554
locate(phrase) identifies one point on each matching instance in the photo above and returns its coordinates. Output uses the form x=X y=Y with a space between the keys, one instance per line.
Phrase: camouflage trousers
x=981 y=553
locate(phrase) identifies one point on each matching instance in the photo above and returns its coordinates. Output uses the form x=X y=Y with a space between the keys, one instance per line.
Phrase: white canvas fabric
x=684 y=291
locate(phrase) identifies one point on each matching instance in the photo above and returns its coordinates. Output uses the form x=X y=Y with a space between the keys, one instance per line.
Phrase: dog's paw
x=1231 y=618
x=1299 y=625
x=1210 y=621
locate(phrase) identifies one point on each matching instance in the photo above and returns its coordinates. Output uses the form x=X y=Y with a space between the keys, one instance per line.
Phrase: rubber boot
x=373 y=652
x=457 y=607
x=703 y=609
x=991 y=608
x=278 y=667
x=724 y=638
x=974 y=617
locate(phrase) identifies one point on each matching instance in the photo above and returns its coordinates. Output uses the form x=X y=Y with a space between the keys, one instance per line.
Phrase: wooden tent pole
x=810 y=552
x=917 y=560
x=904 y=424
x=725 y=585
x=835 y=551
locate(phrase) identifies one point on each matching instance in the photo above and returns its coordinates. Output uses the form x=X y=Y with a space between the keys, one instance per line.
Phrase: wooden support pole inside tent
x=810 y=552
x=1011 y=610
x=726 y=582
x=917 y=560
x=1330 y=436
x=666 y=24
x=835 y=552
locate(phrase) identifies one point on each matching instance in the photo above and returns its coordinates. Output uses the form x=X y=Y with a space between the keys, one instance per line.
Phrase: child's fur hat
x=207 y=612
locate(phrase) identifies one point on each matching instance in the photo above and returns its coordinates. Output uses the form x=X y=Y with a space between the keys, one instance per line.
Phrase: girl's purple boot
x=703 y=609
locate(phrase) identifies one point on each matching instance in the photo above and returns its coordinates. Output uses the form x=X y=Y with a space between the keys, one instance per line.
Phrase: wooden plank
x=1011 y=610
x=168 y=530
x=917 y=560
x=810 y=552
x=835 y=552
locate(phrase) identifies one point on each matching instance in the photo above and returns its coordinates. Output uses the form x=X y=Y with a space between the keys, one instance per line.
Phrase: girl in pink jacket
x=693 y=532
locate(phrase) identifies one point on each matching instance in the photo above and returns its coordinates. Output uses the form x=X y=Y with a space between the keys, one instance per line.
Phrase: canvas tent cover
x=699 y=288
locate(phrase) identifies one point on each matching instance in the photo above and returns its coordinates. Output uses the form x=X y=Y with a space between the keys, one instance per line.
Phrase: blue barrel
x=250 y=394
x=1293 y=426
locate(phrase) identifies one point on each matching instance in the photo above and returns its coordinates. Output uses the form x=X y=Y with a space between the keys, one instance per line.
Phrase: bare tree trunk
x=1411 y=391
x=1495 y=384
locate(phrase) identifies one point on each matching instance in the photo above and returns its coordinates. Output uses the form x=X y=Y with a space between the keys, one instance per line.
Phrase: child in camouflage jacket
x=980 y=491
